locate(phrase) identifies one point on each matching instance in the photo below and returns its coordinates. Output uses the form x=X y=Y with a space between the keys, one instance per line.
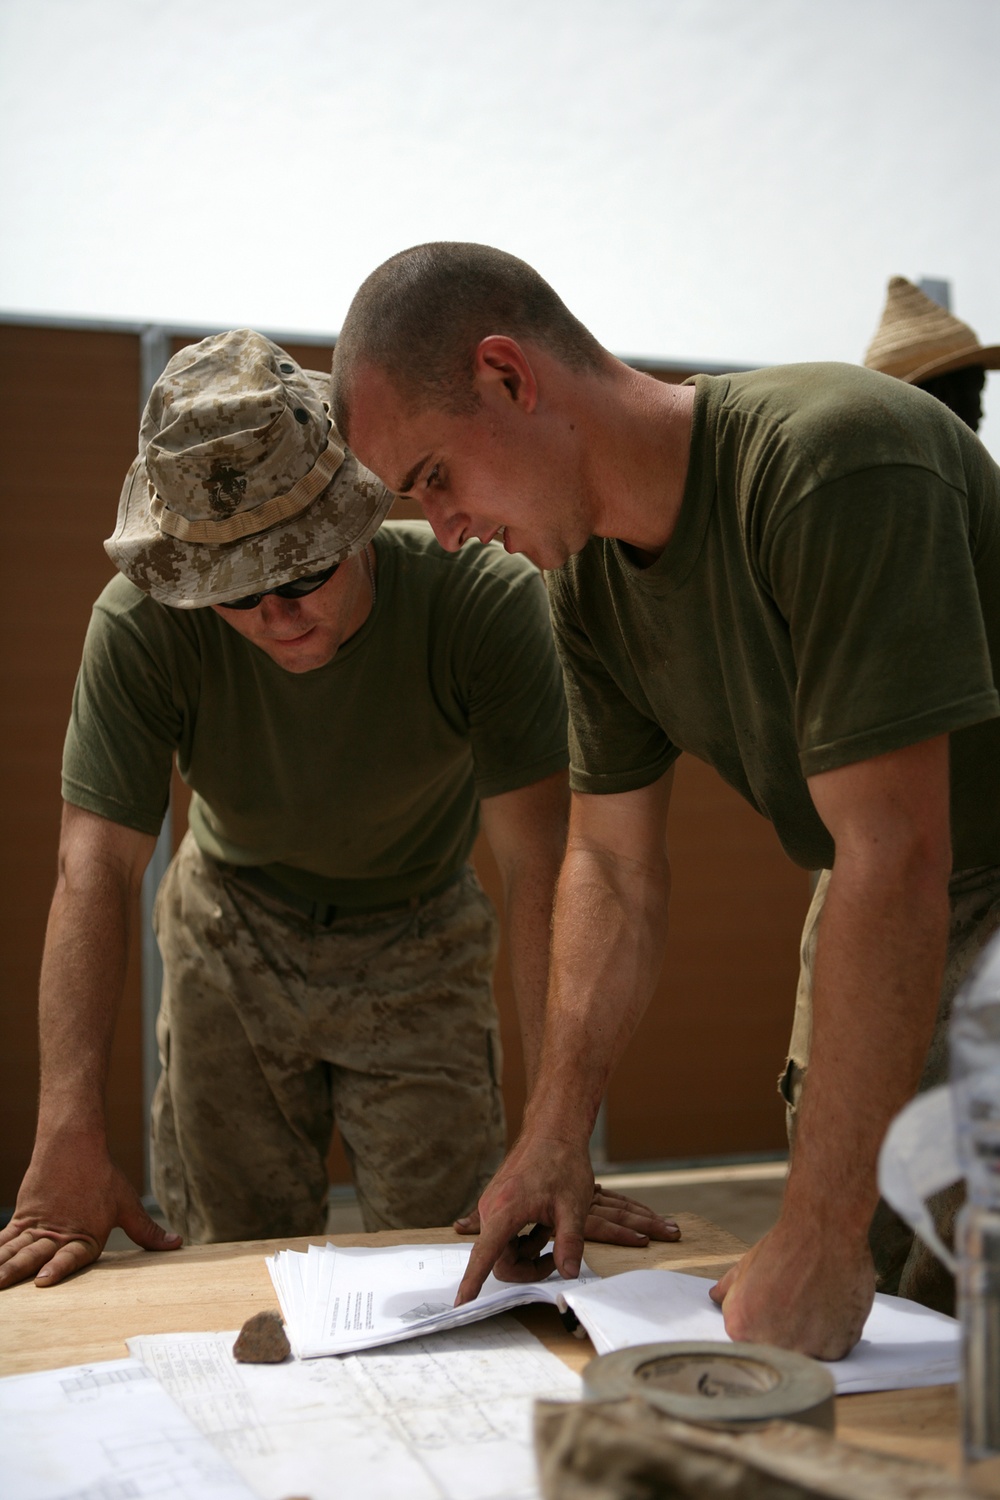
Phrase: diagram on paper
x=105 y=1432
x=440 y=1418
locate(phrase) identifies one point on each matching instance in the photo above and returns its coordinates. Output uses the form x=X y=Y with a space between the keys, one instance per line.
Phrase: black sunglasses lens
x=297 y=588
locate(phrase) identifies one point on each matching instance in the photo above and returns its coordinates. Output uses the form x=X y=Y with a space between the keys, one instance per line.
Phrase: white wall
x=727 y=180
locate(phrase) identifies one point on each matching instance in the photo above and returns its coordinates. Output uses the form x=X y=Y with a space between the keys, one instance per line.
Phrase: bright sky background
x=719 y=180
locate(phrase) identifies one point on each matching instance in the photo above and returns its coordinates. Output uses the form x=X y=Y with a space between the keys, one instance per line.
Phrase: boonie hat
x=917 y=339
x=241 y=482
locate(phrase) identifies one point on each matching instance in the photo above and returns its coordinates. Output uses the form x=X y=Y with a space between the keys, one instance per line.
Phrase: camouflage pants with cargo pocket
x=274 y=1026
x=904 y=1265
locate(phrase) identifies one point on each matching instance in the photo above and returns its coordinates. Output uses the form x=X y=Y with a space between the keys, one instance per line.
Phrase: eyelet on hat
x=287 y=369
x=300 y=414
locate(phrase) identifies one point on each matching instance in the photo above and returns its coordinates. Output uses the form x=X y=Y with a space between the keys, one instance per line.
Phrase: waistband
x=325 y=912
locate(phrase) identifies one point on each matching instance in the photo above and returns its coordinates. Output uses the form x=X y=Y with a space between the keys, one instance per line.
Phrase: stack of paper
x=903 y=1344
x=337 y=1300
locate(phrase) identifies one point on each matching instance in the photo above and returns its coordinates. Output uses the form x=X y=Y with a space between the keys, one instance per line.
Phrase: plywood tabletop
x=215 y=1287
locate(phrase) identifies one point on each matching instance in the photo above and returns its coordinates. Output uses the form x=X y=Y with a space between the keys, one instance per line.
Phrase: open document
x=903 y=1344
x=337 y=1300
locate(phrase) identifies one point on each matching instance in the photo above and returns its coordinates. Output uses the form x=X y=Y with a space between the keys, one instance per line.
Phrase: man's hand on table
x=62 y=1221
x=612 y=1219
x=801 y=1288
x=549 y=1183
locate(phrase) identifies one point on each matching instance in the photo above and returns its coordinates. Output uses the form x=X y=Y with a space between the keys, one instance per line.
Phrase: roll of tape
x=718 y=1384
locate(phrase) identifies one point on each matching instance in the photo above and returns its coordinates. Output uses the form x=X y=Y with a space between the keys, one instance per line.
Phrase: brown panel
x=698 y=1078
x=70 y=402
x=310 y=356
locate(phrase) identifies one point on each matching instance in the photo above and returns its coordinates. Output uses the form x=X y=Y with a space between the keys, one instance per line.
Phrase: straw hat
x=917 y=339
x=241 y=482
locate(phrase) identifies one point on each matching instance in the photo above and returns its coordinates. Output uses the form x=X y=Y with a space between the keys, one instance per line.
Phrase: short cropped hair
x=422 y=313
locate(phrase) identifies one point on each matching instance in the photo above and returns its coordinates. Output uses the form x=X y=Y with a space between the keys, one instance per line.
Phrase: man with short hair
x=346 y=702
x=793 y=574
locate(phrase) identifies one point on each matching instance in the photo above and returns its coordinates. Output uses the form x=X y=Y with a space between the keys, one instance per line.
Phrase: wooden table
x=213 y=1287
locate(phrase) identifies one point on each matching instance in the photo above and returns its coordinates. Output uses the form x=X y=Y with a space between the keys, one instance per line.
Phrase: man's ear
x=502 y=368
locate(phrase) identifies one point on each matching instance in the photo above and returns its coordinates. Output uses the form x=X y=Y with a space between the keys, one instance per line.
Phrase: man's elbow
x=913 y=860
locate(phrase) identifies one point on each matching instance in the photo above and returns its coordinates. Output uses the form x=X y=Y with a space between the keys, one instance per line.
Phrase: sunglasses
x=297 y=588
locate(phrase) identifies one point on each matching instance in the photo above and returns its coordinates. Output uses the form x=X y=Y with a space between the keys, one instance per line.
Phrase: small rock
x=262 y=1340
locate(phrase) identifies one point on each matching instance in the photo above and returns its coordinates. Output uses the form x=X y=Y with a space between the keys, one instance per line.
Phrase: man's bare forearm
x=808 y=1284
x=608 y=939
x=529 y=927
x=73 y=1194
x=526 y=830
x=876 y=984
x=609 y=936
x=83 y=969
x=880 y=955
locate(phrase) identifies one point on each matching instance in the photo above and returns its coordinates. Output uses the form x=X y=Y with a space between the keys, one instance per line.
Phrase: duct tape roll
x=720 y=1385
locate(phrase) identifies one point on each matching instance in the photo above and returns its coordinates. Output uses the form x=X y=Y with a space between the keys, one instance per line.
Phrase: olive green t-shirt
x=357 y=783
x=831 y=592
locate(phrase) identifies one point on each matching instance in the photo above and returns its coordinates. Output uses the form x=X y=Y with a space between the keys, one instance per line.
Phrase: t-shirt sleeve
x=614 y=746
x=123 y=727
x=515 y=703
x=877 y=583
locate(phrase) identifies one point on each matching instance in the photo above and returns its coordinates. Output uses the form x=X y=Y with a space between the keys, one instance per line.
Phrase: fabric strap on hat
x=249 y=522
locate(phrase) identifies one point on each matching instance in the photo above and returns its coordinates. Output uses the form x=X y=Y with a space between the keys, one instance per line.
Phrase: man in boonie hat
x=345 y=704
x=924 y=344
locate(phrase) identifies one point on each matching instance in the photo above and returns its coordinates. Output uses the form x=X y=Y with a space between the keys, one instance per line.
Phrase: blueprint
x=105 y=1432
x=446 y=1417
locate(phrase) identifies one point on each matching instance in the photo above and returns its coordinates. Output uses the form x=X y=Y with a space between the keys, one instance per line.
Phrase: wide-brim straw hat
x=917 y=339
x=241 y=482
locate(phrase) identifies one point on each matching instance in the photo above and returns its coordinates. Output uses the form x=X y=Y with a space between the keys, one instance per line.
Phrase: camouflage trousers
x=903 y=1263
x=273 y=1027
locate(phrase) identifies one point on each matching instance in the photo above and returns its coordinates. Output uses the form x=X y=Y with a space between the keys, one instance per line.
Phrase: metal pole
x=937 y=290
x=154 y=351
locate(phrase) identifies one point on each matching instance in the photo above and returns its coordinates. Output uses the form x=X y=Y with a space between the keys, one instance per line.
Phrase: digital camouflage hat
x=241 y=482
